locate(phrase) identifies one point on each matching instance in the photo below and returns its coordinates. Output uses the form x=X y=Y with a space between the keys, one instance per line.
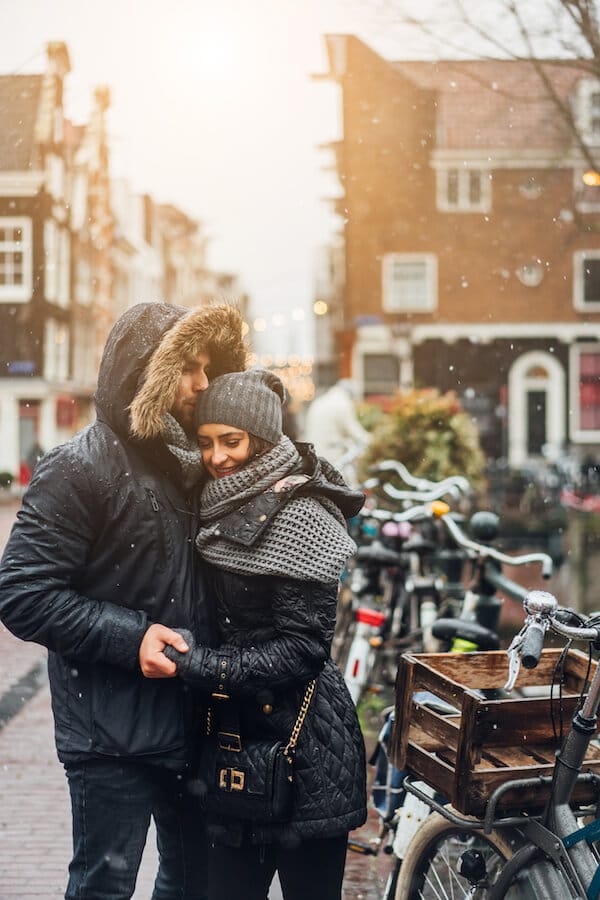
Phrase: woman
x=274 y=538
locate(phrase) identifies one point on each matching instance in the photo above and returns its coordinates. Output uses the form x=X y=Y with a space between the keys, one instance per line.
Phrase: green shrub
x=430 y=434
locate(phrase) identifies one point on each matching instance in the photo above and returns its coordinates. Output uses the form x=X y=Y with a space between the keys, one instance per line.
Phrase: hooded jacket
x=103 y=545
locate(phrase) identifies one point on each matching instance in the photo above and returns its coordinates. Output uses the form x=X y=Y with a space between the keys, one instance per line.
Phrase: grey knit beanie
x=250 y=401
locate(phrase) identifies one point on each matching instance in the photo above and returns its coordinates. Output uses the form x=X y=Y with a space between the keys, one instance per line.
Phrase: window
x=83 y=282
x=57 y=250
x=56 y=351
x=381 y=373
x=463 y=190
x=586 y=280
x=585 y=392
x=588 y=110
x=15 y=260
x=409 y=282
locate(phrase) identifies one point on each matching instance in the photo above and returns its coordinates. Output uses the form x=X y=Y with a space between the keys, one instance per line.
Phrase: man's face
x=193 y=380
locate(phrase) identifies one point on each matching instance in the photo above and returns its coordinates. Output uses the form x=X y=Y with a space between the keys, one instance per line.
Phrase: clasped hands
x=167 y=652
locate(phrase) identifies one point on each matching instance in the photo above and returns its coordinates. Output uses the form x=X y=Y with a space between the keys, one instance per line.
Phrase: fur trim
x=216 y=330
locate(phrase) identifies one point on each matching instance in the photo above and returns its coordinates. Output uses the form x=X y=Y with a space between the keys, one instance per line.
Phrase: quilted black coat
x=276 y=635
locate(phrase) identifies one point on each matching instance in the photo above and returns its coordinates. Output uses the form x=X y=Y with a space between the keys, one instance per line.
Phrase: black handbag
x=250 y=778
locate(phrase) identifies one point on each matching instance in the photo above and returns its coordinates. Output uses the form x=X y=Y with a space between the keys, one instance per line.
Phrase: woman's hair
x=258 y=446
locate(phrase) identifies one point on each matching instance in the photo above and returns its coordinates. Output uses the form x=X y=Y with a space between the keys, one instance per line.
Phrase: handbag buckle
x=230 y=741
x=231 y=780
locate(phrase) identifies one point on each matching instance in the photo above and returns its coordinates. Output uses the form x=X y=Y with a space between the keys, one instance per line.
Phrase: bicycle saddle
x=449 y=629
x=378 y=554
x=419 y=545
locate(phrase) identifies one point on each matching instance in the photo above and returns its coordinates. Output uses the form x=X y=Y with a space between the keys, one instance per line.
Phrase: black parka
x=104 y=545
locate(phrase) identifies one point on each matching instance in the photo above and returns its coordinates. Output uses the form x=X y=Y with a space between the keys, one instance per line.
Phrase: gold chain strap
x=308 y=695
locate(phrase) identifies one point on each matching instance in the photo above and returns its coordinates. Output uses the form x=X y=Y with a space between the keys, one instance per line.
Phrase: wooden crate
x=487 y=742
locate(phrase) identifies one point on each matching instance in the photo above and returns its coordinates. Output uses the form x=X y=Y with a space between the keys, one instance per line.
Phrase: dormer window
x=463 y=190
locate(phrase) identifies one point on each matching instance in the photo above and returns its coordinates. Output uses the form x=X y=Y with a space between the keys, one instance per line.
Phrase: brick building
x=471 y=243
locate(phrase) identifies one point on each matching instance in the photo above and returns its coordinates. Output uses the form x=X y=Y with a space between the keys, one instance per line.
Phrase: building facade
x=472 y=243
x=77 y=248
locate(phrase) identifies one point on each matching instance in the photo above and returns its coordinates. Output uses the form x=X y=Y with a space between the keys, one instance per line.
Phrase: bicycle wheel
x=429 y=869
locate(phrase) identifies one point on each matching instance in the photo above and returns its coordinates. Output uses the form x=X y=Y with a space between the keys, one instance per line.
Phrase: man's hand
x=153 y=662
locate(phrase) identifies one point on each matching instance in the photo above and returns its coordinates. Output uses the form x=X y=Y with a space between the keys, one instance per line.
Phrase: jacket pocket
x=137 y=716
x=156 y=520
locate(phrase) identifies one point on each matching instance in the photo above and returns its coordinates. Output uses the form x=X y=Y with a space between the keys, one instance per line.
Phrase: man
x=100 y=565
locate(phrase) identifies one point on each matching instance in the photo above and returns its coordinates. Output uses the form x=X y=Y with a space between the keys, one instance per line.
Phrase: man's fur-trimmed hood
x=145 y=355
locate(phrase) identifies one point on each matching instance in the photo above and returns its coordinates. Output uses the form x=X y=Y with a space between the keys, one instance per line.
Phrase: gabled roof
x=496 y=104
x=19 y=103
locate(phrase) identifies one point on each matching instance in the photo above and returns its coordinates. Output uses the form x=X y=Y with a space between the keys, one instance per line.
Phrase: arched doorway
x=536 y=408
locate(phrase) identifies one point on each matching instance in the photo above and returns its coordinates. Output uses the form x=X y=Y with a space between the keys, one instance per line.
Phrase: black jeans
x=112 y=802
x=313 y=870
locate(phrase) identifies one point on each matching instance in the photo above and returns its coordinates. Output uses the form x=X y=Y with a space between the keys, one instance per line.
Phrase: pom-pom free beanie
x=250 y=401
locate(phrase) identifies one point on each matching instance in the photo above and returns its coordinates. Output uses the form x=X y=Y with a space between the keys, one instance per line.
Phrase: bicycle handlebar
x=421 y=485
x=543 y=612
x=532 y=645
x=440 y=490
x=434 y=508
x=486 y=552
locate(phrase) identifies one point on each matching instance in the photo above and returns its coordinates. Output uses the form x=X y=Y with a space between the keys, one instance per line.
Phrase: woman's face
x=224 y=449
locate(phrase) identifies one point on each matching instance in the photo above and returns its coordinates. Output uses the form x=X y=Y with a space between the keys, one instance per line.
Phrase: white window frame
x=50 y=260
x=586 y=88
x=464 y=203
x=579 y=434
x=57 y=338
x=19 y=293
x=519 y=384
x=579 y=302
x=64 y=268
x=389 y=301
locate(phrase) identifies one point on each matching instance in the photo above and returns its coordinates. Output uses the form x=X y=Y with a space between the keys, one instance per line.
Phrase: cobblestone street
x=35 y=837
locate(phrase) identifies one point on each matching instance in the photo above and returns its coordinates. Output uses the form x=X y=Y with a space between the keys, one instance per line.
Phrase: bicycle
x=394 y=595
x=544 y=850
x=475 y=629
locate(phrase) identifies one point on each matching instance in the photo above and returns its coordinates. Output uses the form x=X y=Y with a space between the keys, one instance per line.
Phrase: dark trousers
x=112 y=802
x=312 y=870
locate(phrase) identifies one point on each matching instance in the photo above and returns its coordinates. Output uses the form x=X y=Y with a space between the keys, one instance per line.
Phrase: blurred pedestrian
x=332 y=424
x=99 y=568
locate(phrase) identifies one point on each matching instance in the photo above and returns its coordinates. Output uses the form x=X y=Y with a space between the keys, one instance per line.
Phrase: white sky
x=213 y=110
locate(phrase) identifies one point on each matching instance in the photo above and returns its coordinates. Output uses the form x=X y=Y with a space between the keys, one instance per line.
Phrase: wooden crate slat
x=444 y=728
x=489 y=669
x=501 y=723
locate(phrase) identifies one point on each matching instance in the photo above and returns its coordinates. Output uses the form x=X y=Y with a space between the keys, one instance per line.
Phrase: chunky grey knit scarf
x=185 y=449
x=307 y=538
